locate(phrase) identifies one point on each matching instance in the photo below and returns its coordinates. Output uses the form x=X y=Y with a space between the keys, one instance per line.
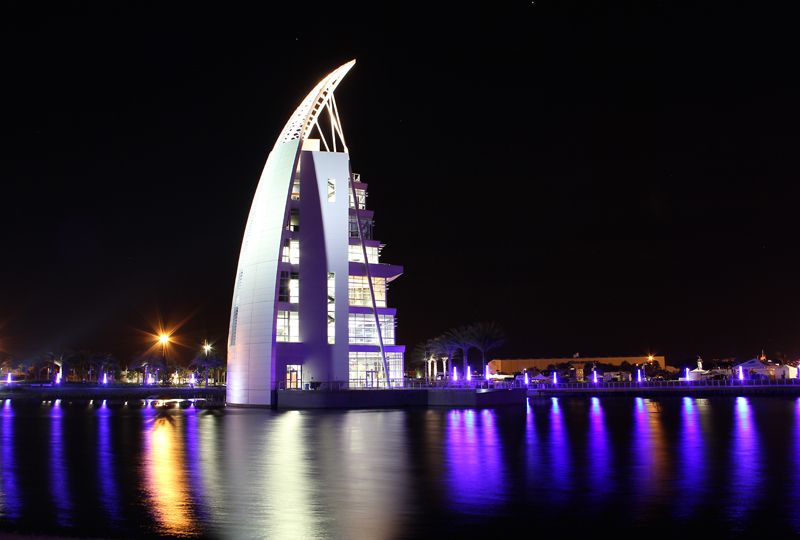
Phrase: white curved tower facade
x=309 y=301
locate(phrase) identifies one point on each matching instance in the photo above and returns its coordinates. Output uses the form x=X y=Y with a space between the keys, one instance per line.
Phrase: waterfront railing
x=735 y=383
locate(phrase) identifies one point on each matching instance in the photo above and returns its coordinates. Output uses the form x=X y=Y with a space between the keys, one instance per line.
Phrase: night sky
x=608 y=178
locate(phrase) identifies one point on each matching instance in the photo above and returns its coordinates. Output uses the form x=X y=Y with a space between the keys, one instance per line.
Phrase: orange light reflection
x=170 y=499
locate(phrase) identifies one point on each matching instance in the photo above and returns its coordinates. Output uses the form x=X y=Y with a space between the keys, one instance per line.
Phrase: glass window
x=291 y=251
x=294 y=376
x=361 y=329
x=331 y=308
x=355 y=254
x=366 y=227
x=362 y=199
x=358 y=291
x=287 y=327
x=366 y=370
x=331 y=190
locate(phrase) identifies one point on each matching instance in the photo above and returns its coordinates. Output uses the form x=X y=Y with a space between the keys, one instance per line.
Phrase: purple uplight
x=555 y=377
x=687 y=373
x=640 y=375
x=741 y=373
x=455 y=374
x=469 y=374
x=8 y=379
x=527 y=380
x=105 y=378
x=594 y=376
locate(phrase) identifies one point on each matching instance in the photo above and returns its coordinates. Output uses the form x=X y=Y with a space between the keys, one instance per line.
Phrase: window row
x=291 y=251
x=361 y=329
x=358 y=291
x=289 y=290
x=288 y=327
x=356 y=254
x=366 y=370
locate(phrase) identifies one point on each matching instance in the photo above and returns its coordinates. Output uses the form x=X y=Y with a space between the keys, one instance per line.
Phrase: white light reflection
x=651 y=467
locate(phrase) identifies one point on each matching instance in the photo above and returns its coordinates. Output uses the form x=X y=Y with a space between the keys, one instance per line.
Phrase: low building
x=519 y=365
x=764 y=368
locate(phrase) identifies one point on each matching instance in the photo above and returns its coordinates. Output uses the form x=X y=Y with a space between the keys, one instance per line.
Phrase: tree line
x=483 y=336
x=83 y=365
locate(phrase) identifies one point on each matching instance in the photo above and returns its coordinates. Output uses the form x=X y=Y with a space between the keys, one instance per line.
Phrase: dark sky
x=609 y=178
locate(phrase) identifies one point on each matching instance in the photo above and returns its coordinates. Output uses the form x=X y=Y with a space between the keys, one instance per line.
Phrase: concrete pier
x=399 y=397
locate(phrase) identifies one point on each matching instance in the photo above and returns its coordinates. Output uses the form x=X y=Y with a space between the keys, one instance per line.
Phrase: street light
x=206 y=348
x=164 y=340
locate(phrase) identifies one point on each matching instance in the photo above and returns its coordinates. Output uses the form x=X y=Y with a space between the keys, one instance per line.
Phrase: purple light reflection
x=106 y=481
x=475 y=466
x=10 y=499
x=194 y=467
x=557 y=451
x=690 y=460
x=601 y=480
x=59 y=484
x=745 y=463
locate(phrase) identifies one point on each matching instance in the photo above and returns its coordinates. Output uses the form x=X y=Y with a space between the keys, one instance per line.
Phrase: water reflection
x=170 y=501
x=601 y=470
x=475 y=468
x=691 y=460
x=59 y=468
x=106 y=467
x=593 y=466
x=555 y=467
x=745 y=463
x=649 y=458
x=10 y=500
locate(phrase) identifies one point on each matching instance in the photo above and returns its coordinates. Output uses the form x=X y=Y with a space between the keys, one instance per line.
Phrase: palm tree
x=57 y=357
x=27 y=363
x=142 y=361
x=81 y=358
x=487 y=336
x=103 y=361
x=444 y=348
x=462 y=338
x=205 y=360
x=419 y=356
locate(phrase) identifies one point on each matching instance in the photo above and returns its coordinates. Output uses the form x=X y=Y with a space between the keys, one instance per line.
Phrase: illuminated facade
x=309 y=300
x=519 y=365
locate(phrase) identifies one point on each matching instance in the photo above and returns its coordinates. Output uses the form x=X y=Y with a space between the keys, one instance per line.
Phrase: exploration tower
x=309 y=301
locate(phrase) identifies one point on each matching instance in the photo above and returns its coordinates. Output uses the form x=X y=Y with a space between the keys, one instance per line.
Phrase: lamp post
x=164 y=340
x=206 y=348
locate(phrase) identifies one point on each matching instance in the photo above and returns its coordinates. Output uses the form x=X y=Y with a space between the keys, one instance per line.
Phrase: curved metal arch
x=305 y=116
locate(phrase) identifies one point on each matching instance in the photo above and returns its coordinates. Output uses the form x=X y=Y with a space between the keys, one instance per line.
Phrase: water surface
x=628 y=466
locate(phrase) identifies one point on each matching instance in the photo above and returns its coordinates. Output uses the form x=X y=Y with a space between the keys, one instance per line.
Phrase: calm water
x=631 y=466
